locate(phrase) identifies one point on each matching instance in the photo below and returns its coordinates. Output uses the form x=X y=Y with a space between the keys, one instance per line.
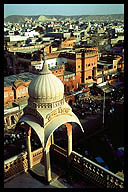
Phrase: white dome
x=46 y=87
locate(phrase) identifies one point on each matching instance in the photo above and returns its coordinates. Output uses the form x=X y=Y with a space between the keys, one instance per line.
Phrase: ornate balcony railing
x=19 y=163
x=83 y=166
x=15 y=165
x=37 y=156
x=95 y=173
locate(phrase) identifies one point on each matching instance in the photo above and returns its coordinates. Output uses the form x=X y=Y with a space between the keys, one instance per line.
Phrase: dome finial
x=45 y=69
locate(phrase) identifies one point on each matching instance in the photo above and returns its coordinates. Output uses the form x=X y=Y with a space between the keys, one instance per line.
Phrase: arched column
x=47 y=163
x=18 y=115
x=9 y=120
x=28 y=141
x=69 y=134
x=5 y=122
x=16 y=118
x=52 y=139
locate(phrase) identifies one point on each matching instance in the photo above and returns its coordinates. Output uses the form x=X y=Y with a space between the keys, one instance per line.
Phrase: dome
x=46 y=87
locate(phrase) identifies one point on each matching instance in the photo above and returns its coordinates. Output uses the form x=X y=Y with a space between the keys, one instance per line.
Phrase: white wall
x=31 y=34
x=17 y=38
x=99 y=80
x=119 y=30
x=52 y=62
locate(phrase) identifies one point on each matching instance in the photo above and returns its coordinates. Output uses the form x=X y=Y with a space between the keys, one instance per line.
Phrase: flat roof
x=56 y=67
x=27 y=50
x=68 y=73
x=101 y=75
x=26 y=76
x=7 y=84
x=101 y=63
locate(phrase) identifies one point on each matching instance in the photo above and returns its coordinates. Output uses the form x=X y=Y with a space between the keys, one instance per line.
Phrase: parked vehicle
x=101 y=162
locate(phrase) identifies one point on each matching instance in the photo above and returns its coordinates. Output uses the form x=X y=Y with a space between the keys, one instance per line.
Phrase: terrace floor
x=60 y=179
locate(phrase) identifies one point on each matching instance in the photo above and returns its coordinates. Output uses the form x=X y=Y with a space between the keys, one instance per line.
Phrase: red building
x=8 y=95
x=78 y=70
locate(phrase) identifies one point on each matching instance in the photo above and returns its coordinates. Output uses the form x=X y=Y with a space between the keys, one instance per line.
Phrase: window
x=73 y=78
x=39 y=105
x=18 y=92
x=13 y=121
x=6 y=94
x=11 y=93
x=24 y=90
x=64 y=87
x=88 y=64
x=79 y=66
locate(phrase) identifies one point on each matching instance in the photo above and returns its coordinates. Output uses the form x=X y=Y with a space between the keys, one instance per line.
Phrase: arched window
x=13 y=120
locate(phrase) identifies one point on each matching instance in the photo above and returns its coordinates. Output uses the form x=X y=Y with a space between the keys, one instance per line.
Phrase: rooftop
x=9 y=80
x=104 y=63
x=27 y=50
x=60 y=180
x=68 y=74
x=25 y=180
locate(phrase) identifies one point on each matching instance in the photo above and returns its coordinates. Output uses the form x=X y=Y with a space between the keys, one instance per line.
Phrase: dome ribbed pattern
x=47 y=87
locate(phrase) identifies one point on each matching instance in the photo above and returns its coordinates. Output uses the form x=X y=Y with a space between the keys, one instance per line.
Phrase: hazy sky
x=62 y=9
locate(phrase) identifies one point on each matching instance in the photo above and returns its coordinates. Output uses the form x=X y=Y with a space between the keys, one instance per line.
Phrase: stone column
x=69 y=134
x=52 y=139
x=29 y=147
x=9 y=120
x=5 y=123
x=47 y=162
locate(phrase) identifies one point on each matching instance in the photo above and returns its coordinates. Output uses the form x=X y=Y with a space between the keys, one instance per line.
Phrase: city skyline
x=62 y=9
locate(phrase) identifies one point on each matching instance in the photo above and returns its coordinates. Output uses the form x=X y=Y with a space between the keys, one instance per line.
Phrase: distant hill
x=19 y=18
x=22 y=18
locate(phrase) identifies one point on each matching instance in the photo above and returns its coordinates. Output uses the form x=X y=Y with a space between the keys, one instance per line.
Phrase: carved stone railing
x=95 y=173
x=37 y=156
x=15 y=165
x=19 y=163
x=57 y=150
x=83 y=166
